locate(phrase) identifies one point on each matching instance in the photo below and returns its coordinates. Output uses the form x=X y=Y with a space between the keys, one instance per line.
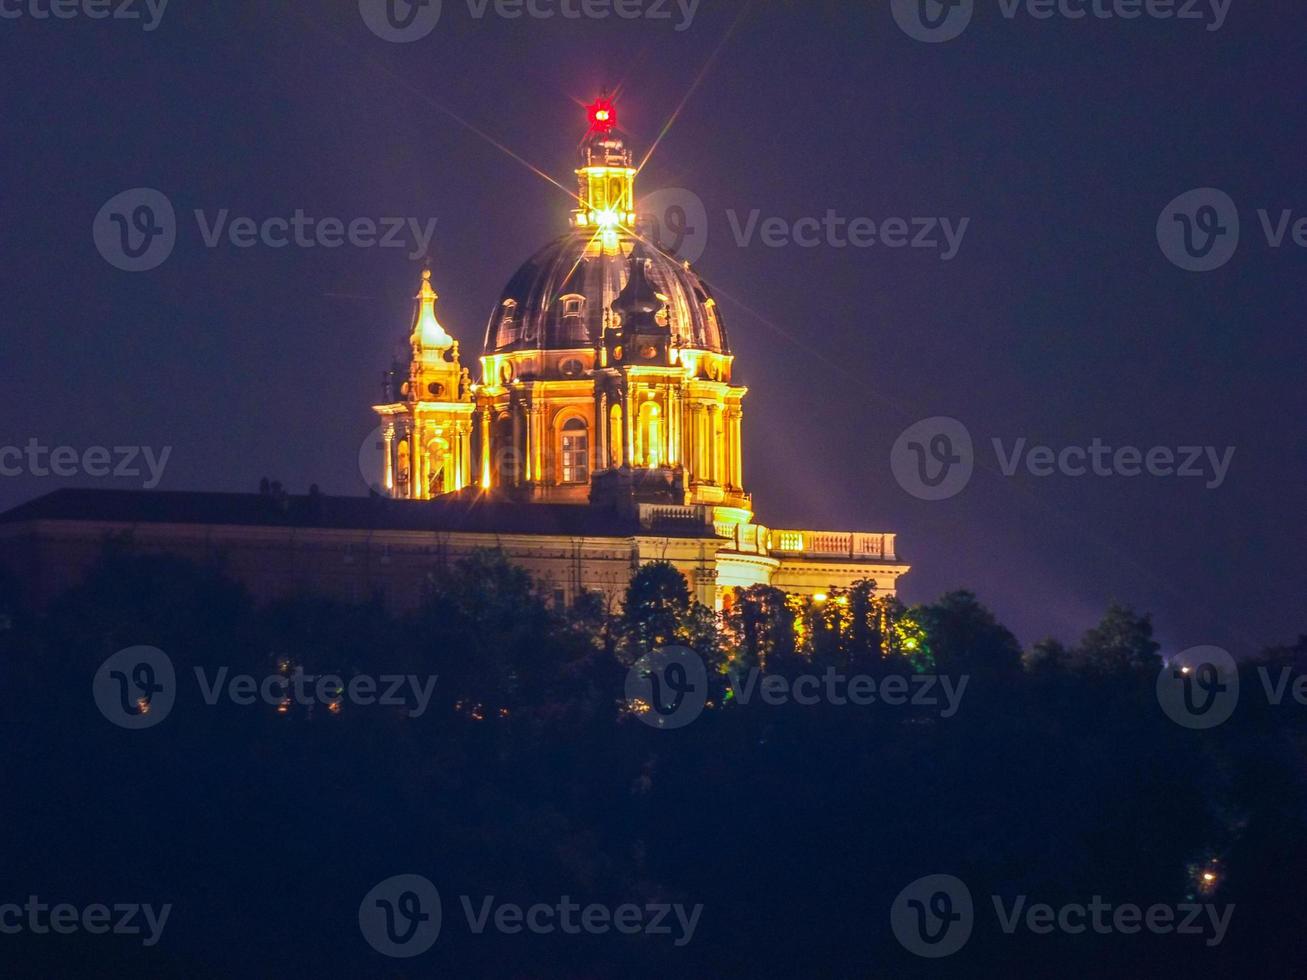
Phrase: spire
x=427 y=331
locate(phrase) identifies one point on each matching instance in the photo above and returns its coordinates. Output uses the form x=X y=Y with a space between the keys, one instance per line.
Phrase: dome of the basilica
x=559 y=299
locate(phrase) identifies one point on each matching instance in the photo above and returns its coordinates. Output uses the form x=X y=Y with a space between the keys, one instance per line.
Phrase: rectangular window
x=576 y=458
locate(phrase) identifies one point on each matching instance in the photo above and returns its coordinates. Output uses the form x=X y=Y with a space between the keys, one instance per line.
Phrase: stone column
x=388 y=465
x=515 y=409
x=628 y=432
x=737 y=442
x=485 y=442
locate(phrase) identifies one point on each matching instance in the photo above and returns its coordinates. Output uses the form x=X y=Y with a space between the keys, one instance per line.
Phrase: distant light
x=603 y=117
x=820 y=597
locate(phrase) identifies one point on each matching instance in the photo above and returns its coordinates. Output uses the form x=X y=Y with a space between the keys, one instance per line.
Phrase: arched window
x=402 y=463
x=440 y=468
x=650 y=436
x=616 y=437
x=575 y=456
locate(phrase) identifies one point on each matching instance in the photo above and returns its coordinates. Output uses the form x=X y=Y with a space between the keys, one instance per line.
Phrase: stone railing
x=833 y=544
x=655 y=515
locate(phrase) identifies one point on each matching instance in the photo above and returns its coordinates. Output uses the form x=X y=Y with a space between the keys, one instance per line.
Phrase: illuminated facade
x=604 y=433
x=606 y=382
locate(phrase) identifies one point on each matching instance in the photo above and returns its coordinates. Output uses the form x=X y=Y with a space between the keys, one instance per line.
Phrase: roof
x=471 y=512
x=530 y=314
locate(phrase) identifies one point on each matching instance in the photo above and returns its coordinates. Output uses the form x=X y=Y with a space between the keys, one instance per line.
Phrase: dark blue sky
x=1059 y=320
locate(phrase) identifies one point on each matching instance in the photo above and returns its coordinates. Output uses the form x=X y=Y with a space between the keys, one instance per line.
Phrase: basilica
x=603 y=432
x=606 y=381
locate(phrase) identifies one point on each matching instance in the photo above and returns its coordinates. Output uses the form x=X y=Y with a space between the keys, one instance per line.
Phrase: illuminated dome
x=561 y=297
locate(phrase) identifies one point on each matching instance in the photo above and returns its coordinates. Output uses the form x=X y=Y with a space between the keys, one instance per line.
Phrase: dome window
x=508 y=323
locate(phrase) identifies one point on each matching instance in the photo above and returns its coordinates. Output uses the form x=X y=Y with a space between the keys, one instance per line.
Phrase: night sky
x=1059 y=320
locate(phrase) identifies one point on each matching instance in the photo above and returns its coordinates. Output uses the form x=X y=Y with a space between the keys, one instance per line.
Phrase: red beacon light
x=603 y=117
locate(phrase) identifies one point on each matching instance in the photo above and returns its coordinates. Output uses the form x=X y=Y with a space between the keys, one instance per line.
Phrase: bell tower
x=427 y=429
